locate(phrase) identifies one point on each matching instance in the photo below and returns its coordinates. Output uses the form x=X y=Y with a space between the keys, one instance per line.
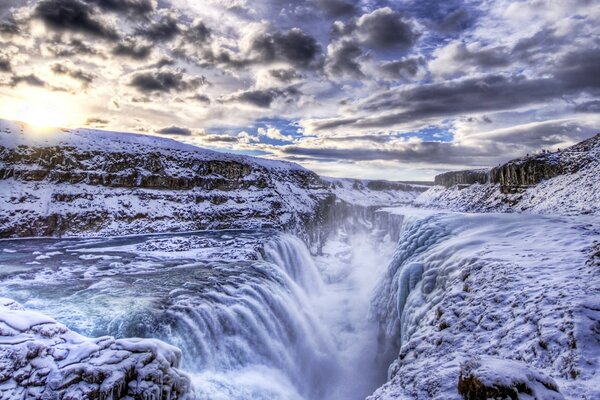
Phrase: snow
x=41 y=358
x=14 y=134
x=517 y=287
x=358 y=192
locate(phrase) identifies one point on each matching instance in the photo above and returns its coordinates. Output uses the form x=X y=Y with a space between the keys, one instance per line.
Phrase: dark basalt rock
x=526 y=171
x=466 y=177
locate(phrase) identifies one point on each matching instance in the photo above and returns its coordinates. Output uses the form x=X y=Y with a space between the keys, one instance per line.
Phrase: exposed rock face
x=466 y=177
x=41 y=359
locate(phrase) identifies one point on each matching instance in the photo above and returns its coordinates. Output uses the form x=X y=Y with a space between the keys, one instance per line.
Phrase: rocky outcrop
x=466 y=177
x=42 y=359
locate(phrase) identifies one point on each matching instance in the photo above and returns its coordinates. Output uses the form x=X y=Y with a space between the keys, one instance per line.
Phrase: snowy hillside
x=565 y=182
x=89 y=182
x=492 y=306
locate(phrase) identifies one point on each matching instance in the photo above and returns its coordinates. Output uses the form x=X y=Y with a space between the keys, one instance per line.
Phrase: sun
x=41 y=109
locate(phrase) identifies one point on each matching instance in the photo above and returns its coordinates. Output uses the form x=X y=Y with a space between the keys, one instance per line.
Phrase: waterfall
x=291 y=255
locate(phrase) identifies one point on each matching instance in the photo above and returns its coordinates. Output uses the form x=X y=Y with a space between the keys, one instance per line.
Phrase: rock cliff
x=87 y=182
x=562 y=182
x=466 y=177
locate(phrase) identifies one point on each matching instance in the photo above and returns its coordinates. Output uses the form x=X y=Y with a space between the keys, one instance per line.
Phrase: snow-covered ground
x=508 y=298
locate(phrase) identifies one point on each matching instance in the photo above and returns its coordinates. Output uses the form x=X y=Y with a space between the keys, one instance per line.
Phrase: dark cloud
x=344 y=59
x=386 y=29
x=457 y=20
x=198 y=32
x=133 y=7
x=5 y=65
x=133 y=48
x=78 y=74
x=71 y=48
x=165 y=81
x=202 y=98
x=96 y=121
x=575 y=73
x=263 y=98
x=73 y=15
x=490 y=149
x=165 y=28
x=337 y=8
x=401 y=69
x=293 y=46
x=29 y=79
x=589 y=107
x=9 y=27
x=175 y=130
x=220 y=139
x=284 y=74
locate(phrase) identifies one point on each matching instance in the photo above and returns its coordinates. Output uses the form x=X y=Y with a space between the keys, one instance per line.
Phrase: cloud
x=263 y=98
x=74 y=15
x=78 y=74
x=165 y=81
x=133 y=7
x=343 y=59
x=71 y=48
x=337 y=8
x=401 y=69
x=175 y=130
x=198 y=32
x=165 y=28
x=293 y=46
x=133 y=48
x=274 y=133
x=573 y=74
x=5 y=65
x=589 y=107
x=29 y=79
x=284 y=74
x=386 y=29
x=96 y=121
x=202 y=98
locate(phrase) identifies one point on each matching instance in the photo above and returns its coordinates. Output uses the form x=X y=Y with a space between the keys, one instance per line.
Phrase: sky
x=398 y=90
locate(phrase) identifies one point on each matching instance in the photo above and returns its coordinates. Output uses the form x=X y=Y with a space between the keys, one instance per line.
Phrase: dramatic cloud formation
x=383 y=89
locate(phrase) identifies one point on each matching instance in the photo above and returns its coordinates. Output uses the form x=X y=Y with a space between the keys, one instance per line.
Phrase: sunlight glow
x=42 y=110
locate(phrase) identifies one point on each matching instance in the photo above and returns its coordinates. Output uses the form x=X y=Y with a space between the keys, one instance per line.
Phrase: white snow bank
x=519 y=287
x=42 y=359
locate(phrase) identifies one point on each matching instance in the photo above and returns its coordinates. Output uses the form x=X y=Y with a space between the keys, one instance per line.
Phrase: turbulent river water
x=255 y=314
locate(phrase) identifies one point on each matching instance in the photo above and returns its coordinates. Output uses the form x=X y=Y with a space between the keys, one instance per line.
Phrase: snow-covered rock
x=519 y=292
x=42 y=359
x=564 y=182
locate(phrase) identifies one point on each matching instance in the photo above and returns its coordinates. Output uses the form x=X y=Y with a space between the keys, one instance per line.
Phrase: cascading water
x=255 y=315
